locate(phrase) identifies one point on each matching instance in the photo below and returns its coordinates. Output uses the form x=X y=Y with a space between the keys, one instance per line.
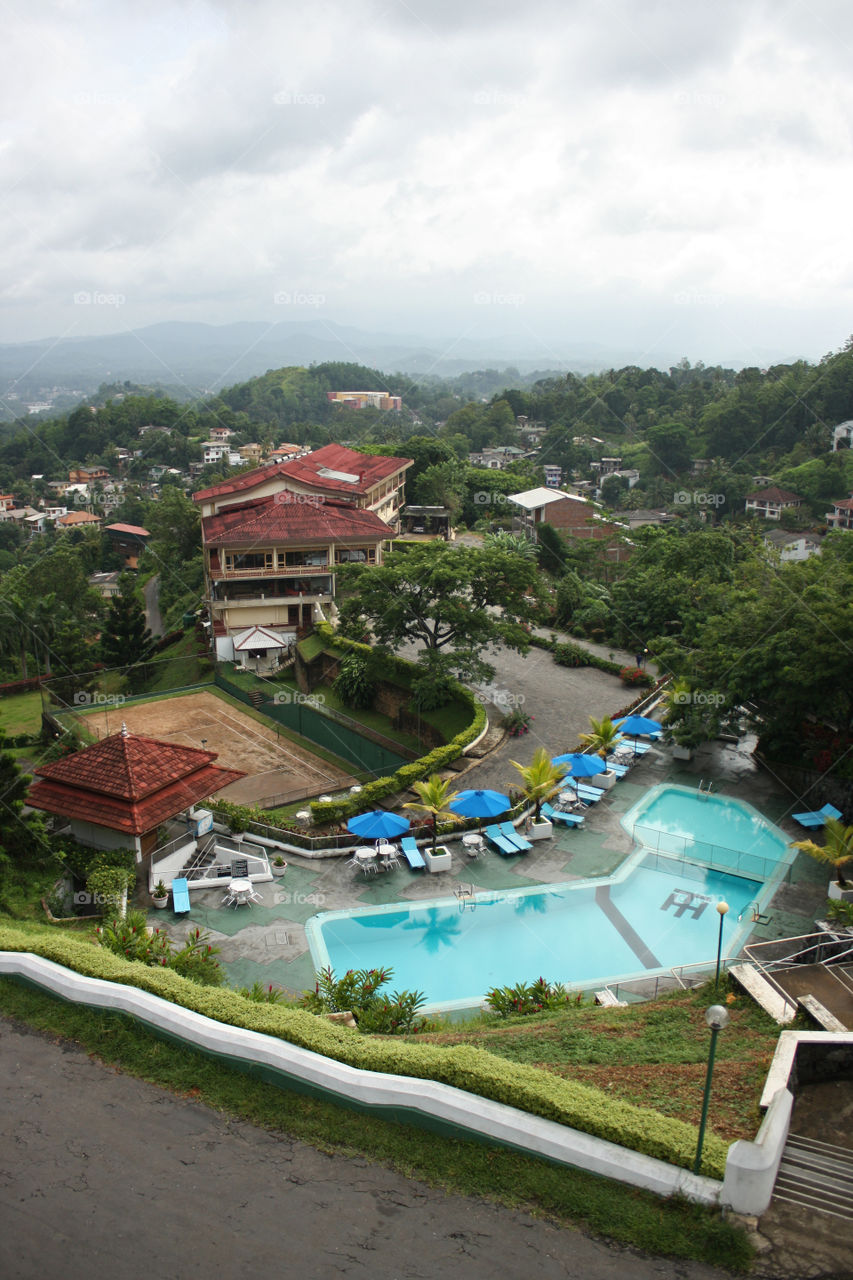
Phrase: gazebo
x=259 y=648
x=116 y=793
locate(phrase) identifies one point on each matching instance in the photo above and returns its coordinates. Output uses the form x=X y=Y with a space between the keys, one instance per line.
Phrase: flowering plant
x=517 y=722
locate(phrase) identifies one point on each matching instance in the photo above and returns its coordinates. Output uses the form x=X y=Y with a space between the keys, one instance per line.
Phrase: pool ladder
x=705 y=788
x=756 y=915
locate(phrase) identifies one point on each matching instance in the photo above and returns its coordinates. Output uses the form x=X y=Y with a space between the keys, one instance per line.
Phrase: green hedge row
x=574 y=655
x=339 y=810
x=475 y=1070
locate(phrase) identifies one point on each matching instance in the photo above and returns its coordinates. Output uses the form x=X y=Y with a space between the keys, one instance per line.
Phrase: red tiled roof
x=246 y=480
x=773 y=494
x=135 y=529
x=286 y=517
x=335 y=457
x=79 y=517
x=129 y=783
x=846 y=504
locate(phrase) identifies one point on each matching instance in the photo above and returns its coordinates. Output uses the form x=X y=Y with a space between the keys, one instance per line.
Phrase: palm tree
x=435 y=796
x=603 y=739
x=837 y=851
x=541 y=778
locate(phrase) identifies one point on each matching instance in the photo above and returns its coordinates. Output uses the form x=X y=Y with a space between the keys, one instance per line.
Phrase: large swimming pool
x=657 y=913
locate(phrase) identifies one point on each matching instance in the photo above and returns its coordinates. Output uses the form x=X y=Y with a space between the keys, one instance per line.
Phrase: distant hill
x=204 y=358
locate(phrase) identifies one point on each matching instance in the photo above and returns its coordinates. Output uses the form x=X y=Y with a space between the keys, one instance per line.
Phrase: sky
x=616 y=173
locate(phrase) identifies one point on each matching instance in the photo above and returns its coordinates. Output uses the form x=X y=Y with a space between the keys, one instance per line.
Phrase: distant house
x=365 y=399
x=792 y=546
x=7 y=501
x=553 y=475
x=106 y=584
x=79 y=520
x=770 y=503
x=220 y=434
x=286 y=452
x=643 y=516
x=128 y=541
x=251 y=453
x=86 y=475
x=572 y=515
x=215 y=451
x=841 y=515
x=842 y=436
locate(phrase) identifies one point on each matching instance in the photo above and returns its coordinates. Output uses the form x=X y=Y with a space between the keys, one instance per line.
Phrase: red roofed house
x=128 y=541
x=574 y=516
x=841 y=515
x=117 y=792
x=272 y=536
x=770 y=503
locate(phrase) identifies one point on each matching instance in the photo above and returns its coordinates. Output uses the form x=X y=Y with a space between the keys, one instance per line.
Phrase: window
x=235 y=561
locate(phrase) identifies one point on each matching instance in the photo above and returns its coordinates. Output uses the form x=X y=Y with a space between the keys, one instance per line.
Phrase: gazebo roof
x=259 y=638
x=129 y=783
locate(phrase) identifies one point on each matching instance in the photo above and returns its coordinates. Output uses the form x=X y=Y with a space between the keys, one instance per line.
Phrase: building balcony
x=220 y=574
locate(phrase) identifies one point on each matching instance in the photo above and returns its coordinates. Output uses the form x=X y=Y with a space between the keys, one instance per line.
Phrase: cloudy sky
x=642 y=175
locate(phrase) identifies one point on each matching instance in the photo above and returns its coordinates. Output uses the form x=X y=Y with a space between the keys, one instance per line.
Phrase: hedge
x=327 y=811
x=477 y=1071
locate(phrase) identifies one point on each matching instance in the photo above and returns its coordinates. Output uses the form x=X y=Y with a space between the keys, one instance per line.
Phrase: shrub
x=354 y=683
x=635 y=677
x=129 y=938
x=517 y=722
x=530 y=997
x=358 y=992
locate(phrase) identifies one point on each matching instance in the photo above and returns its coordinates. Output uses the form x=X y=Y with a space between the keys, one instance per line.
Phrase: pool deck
x=267 y=943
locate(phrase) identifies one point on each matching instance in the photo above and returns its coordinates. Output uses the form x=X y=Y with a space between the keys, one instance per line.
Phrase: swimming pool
x=658 y=912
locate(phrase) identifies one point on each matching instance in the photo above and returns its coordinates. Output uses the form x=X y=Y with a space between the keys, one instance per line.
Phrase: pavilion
x=117 y=792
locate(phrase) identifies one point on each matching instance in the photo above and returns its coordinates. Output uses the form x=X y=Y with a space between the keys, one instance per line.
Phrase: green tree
x=603 y=738
x=837 y=849
x=457 y=601
x=126 y=641
x=541 y=779
x=434 y=798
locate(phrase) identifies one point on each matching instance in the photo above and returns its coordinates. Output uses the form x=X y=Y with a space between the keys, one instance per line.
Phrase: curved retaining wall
x=426 y=1103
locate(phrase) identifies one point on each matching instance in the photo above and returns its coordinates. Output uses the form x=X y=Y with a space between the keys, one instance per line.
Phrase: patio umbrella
x=378 y=824
x=581 y=765
x=480 y=804
x=637 y=726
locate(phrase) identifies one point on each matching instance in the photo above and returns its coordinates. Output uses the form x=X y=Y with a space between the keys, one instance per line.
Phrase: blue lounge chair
x=412 y=853
x=817 y=817
x=499 y=840
x=180 y=895
x=619 y=769
x=514 y=837
x=588 y=795
x=557 y=815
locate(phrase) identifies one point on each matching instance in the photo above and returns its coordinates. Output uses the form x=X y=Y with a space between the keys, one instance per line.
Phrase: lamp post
x=717 y=1018
x=722 y=908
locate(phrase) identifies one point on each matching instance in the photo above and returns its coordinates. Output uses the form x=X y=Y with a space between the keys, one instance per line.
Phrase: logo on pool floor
x=683 y=900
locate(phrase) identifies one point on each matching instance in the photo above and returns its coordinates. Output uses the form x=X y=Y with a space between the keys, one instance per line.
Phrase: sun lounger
x=589 y=795
x=513 y=836
x=817 y=817
x=619 y=769
x=499 y=840
x=180 y=895
x=557 y=815
x=412 y=853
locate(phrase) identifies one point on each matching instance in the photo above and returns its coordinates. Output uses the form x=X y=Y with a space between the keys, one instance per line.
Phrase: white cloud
x=400 y=159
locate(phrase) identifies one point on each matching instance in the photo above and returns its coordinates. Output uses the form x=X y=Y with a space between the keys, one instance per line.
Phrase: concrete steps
x=817 y=1176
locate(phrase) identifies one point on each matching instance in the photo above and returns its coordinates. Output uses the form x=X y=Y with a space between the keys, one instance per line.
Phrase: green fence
x=321 y=729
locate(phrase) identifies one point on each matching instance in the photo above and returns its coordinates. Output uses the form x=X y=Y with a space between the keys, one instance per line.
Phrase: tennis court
x=274 y=766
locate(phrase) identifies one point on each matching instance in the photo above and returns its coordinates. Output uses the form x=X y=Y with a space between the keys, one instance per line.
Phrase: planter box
x=540 y=830
x=839 y=895
x=604 y=781
x=278 y=871
x=439 y=861
x=681 y=753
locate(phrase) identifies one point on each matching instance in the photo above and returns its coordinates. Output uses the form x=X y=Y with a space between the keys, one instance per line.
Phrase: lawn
x=21 y=713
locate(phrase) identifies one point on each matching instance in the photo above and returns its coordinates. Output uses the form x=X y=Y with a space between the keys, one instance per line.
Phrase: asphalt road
x=102 y=1175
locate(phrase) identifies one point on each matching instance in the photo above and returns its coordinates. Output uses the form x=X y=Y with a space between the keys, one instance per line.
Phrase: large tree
x=452 y=601
x=126 y=641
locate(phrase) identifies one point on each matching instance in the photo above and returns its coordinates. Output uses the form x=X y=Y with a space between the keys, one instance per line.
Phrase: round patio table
x=366 y=858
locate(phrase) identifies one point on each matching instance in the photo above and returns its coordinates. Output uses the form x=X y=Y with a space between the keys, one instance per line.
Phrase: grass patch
x=21 y=712
x=636 y=1219
x=653 y=1054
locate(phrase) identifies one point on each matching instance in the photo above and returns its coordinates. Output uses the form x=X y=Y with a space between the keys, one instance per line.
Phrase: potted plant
x=160 y=896
x=278 y=866
x=603 y=739
x=837 y=851
x=435 y=796
x=542 y=779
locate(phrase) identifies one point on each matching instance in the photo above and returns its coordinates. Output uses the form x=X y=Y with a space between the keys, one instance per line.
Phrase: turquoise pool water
x=657 y=913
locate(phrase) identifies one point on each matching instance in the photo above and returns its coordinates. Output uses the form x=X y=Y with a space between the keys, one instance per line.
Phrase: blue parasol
x=378 y=824
x=480 y=804
x=581 y=765
x=637 y=727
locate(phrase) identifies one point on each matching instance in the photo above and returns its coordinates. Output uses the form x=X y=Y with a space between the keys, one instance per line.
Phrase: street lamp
x=722 y=908
x=717 y=1018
